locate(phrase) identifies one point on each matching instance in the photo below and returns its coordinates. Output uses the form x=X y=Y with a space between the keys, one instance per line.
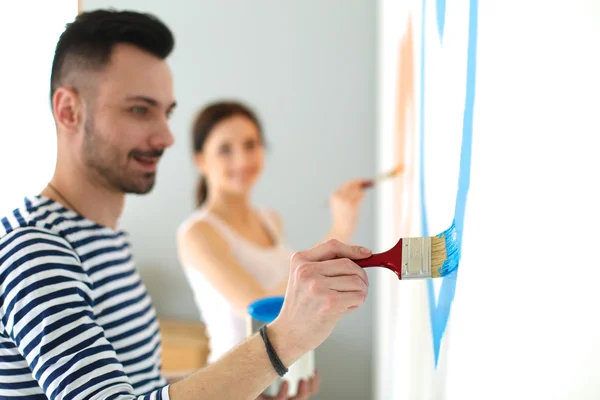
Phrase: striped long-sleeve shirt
x=76 y=321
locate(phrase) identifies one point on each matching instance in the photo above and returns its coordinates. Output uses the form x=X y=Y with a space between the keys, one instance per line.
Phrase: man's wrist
x=287 y=347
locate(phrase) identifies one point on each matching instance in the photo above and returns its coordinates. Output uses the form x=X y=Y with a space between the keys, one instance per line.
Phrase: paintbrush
x=372 y=182
x=419 y=257
x=390 y=174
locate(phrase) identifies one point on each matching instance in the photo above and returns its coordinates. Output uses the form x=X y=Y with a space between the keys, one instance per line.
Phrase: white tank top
x=269 y=266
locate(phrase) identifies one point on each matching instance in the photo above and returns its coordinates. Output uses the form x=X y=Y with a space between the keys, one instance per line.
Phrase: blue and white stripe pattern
x=76 y=321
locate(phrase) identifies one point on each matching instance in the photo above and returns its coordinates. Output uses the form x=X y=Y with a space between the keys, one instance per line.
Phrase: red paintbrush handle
x=368 y=184
x=390 y=259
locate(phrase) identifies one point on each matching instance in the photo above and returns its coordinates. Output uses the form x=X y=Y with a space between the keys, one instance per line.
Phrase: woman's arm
x=201 y=247
x=345 y=205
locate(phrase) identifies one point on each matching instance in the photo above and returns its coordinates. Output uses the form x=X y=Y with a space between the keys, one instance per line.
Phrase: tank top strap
x=222 y=227
x=216 y=223
x=270 y=224
x=227 y=232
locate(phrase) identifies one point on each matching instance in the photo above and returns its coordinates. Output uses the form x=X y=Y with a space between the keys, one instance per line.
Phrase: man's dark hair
x=88 y=41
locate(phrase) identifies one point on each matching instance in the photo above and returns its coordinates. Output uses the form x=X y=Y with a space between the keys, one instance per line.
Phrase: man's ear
x=67 y=107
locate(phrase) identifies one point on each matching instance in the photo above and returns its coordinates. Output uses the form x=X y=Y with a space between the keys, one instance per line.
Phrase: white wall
x=523 y=323
x=28 y=145
x=309 y=69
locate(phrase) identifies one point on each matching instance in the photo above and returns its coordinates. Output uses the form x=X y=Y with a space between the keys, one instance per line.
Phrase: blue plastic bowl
x=267 y=309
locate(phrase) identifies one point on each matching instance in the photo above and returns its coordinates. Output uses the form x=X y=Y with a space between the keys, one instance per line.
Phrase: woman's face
x=233 y=156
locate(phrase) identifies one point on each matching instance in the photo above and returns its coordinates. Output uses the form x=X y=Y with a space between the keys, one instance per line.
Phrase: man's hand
x=305 y=390
x=324 y=285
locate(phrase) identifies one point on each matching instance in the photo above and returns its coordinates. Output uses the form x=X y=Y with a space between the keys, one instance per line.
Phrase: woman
x=233 y=252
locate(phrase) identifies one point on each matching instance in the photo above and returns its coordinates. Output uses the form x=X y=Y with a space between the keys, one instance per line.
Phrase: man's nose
x=163 y=137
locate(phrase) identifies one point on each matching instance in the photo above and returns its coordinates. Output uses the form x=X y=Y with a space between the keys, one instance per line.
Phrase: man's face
x=126 y=124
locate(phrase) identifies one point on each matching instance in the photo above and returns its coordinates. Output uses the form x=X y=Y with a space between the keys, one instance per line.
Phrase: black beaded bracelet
x=275 y=361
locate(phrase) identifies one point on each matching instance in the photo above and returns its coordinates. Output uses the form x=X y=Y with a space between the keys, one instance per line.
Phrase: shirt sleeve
x=46 y=310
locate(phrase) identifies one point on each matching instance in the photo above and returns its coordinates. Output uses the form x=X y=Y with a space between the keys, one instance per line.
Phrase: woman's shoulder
x=199 y=230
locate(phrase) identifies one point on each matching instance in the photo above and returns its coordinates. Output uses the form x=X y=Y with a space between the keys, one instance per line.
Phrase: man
x=75 y=319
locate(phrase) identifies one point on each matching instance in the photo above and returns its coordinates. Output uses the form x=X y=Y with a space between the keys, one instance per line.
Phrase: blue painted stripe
x=424 y=221
x=439 y=315
x=441 y=17
x=424 y=224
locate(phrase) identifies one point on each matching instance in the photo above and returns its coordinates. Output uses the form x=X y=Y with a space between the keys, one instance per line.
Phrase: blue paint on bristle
x=452 y=252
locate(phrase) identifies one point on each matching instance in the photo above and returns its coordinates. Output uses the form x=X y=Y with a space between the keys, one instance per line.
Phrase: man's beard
x=106 y=164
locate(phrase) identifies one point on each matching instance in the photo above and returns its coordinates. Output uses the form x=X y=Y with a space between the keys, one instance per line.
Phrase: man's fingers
x=344 y=301
x=341 y=267
x=348 y=283
x=333 y=249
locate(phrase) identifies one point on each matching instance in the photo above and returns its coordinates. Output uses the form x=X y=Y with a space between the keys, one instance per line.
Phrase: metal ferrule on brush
x=416 y=258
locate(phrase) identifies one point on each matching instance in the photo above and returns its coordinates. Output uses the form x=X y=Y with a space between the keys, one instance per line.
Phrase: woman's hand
x=345 y=205
x=306 y=388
